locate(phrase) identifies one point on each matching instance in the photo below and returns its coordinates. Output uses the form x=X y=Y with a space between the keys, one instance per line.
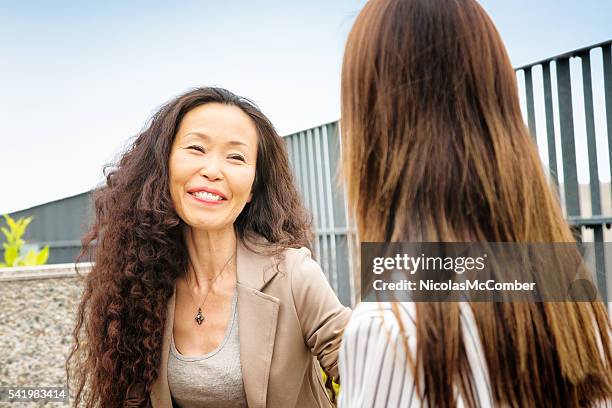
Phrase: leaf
x=13 y=246
x=22 y=224
x=11 y=229
x=26 y=222
x=11 y=223
x=42 y=256
x=15 y=231
x=30 y=258
x=3 y=265
x=10 y=255
x=6 y=233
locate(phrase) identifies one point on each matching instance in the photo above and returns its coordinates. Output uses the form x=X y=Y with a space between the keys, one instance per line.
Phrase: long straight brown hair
x=435 y=149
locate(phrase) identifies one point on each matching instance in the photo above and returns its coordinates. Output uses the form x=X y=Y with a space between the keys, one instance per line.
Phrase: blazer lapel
x=257 y=319
x=160 y=391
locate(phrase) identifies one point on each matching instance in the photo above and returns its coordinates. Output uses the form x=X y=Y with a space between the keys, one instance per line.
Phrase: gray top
x=210 y=380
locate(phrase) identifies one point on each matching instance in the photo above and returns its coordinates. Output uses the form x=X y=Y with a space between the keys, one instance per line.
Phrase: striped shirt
x=373 y=366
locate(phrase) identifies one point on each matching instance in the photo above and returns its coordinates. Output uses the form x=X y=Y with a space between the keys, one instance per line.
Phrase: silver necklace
x=200 y=317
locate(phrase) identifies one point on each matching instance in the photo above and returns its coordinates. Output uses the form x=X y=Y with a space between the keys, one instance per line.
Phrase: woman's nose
x=211 y=169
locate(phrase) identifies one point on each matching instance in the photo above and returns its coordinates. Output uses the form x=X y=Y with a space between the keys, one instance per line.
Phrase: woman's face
x=212 y=165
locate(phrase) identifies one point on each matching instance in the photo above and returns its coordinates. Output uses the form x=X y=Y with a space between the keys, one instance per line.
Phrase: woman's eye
x=198 y=148
x=236 y=157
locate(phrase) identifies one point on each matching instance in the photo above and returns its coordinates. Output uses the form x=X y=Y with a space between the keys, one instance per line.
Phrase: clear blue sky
x=79 y=79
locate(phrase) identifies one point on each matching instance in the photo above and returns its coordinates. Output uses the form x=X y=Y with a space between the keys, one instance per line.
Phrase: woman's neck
x=211 y=254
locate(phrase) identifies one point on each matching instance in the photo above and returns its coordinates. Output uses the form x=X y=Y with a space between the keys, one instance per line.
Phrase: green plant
x=334 y=386
x=13 y=244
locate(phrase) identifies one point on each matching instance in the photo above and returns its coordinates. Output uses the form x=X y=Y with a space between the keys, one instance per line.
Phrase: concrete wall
x=37 y=312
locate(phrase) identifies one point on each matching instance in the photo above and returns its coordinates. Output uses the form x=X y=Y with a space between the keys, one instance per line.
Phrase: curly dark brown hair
x=139 y=251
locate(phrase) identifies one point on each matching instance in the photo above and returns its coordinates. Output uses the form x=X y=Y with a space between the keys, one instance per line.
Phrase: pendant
x=199 y=317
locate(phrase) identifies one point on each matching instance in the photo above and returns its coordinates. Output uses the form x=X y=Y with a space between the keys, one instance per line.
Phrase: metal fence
x=314 y=154
x=562 y=120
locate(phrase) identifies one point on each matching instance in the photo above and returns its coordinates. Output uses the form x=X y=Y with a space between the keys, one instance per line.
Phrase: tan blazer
x=288 y=318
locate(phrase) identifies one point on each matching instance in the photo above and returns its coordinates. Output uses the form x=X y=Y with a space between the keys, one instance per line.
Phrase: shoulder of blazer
x=257 y=264
x=293 y=264
x=298 y=261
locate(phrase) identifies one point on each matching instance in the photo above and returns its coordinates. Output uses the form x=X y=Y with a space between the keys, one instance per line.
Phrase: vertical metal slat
x=344 y=248
x=296 y=163
x=550 y=124
x=607 y=70
x=530 y=105
x=600 y=261
x=587 y=84
x=330 y=210
x=312 y=187
x=568 y=149
x=319 y=163
x=590 y=133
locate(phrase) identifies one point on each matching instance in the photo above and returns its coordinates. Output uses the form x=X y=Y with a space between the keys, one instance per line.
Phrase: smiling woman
x=204 y=292
x=212 y=165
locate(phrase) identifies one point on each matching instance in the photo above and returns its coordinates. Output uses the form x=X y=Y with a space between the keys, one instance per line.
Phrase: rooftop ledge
x=66 y=270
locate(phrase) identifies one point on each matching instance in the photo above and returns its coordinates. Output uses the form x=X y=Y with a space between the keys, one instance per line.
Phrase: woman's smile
x=207 y=198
